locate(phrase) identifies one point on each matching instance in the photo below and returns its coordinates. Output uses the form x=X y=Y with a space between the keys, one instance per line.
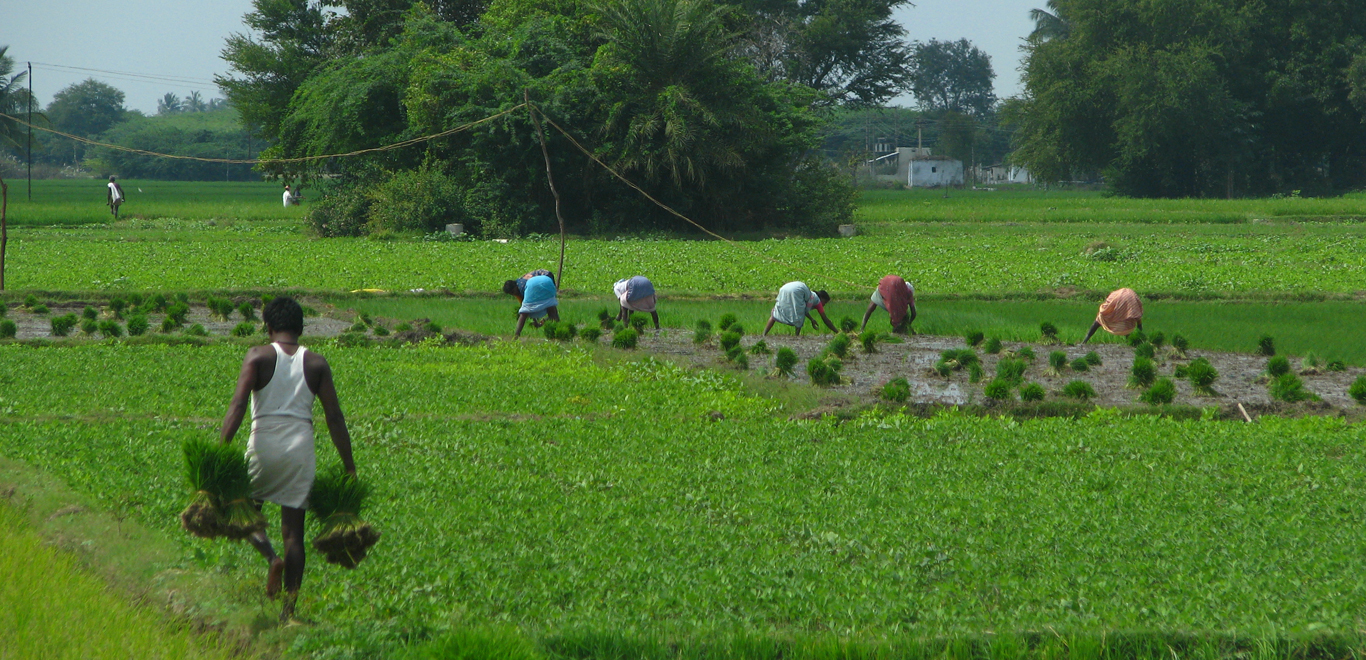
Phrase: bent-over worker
x=795 y=302
x=281 y=381
x=1120 y=314
x=517 y=288
x=636 y=294
x=897 y=296
x=539 y=300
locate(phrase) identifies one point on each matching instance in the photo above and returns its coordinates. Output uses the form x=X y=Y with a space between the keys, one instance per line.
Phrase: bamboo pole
x=545 y=152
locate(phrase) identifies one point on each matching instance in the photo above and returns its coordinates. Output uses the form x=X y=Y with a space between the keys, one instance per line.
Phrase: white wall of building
x=933 y=172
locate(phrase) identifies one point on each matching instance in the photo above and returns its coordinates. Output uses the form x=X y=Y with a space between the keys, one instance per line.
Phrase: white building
x=933 y=171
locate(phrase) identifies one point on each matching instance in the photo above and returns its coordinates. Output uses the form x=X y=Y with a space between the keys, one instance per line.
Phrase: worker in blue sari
x=539 y=301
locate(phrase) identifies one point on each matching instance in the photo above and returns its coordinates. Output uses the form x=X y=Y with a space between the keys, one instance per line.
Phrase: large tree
x=86 y=109
x=1198 y=98
x=952 y=76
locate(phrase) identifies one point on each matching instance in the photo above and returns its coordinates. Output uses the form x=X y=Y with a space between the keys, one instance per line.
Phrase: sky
x=174 y=45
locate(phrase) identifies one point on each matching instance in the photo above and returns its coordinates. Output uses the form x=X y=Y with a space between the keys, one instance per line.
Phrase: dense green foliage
x=1196 y=99
x=216 y=134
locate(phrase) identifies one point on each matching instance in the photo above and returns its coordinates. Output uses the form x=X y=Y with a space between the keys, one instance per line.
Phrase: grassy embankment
x=600 y=509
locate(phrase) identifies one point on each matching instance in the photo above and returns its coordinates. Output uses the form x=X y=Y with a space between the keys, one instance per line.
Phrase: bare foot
x=275 y=577
x=287 y=612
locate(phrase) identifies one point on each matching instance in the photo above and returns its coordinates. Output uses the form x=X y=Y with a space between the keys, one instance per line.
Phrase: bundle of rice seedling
x=702 y=333
x=1277 y=366
x=729 y=340
x=973 y=337
x=1080 y=364
x=1031 y=392
x=1010 y=371
x=1057 y=360
x=590 y=335
x=625 y=339
x=638 y=322
x=1145 y=350
x=1266 y=346
x=896 y=390
x=737 y=356
x=847 y=324
x=1358 y=390
x=1157 y=339
x=1161 y=393
x=993 y=346
x=221 y=504
x=8 y=329
x=1093 y=358
x=869 y=341
x=783 y=361
x=336 y=501
x=1179 y=344
x=839 y=346
x=998 y=390
x=759 y=348
x=727 y=320
x=1025 y=353
x=1137 y=337
x=1079 y=389
x=1048 y=333
x=1143 y=373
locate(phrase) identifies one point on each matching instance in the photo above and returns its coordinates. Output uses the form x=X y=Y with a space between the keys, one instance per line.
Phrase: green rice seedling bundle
x=729 y=340
x=702 y=332
x=1080 y=364
x=1092 y=358
x=992 y=347
x=1310 y=363
x=737 y=356
x=759 y=348
x=4 y=309
x=181 y=296
x=896 y=390
x=110 y=329
x=1143 y=373
x=1157 y=339
x=1181 y=371
x=336 y=501
x=560 y=330
x=62 y=325
x=40 y=308
x=1010 y=371
x=244 y=329
x=1266 y=346
x=219 y=308
x=604 y=314
x=728 y=319
x=432 y=327
x=1289 y=388
x=824 y=372
x=1202 y=375
x=638 y=322
x=30 y=300
x=784 y=361
x=737 y=329
x=1358 y=390
x=137 y=325
x=8 y=329
x=869 y=341
x=1277 y=366
x=1025 y=353
x=89 y=327
x=998 y=390
x=403 y=327
x=973 y=337
x=90 y=313
x=177 y=313
x=1057 y=360
x=220 y=484
x=1137 y=337
x=1162 y=392
x=352 y=340
x=155 y=303
x=249 y=313
x=355 y=327
x=381 y=331
x=625 y=338
x=976 y=372
x=848 y=324
x=1048 y=333
x=1079 y=389
x=196 y=330
x=839 y=346
x=117 y=306
x=1335 y=365
x=590 y=335
x=168 y=325
x=1145 y=350
x=1032 y=392
x=1180 y=344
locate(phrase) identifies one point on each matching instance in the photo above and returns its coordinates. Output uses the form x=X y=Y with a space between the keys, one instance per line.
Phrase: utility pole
x=30 y=131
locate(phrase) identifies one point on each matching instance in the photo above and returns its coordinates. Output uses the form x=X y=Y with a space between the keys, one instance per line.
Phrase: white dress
x=280 y=454
x=114 y=195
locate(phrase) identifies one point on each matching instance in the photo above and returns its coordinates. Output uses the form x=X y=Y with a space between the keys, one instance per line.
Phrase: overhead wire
x=148 y=77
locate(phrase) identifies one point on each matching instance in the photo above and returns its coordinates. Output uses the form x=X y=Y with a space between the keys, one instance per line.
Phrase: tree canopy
x=86 y=109
x=952 y=76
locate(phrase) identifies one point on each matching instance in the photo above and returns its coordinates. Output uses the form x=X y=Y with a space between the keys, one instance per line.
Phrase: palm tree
x=195 y=103
x=14 y=99
x=1049 y=23
x=670 y=57
x=170 y=104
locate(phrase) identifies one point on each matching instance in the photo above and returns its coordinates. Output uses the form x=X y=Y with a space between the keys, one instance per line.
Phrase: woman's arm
x=828 y=324
x=868 y=315
x=336 y=421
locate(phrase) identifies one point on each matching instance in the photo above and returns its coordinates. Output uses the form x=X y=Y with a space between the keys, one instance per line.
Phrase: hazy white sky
x=174 y=45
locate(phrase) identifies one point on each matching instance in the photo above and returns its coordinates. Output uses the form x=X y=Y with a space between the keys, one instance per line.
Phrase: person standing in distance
x=115 y=196
x=281 y=381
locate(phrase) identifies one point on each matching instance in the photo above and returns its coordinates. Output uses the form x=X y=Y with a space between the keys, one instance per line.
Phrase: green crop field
x=82 y=201
x=533 y=487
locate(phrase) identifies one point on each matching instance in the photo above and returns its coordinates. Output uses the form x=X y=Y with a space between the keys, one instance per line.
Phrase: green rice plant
x=363 y=317
x=309 y=312
x=1079 y=389
x=737 y=356
x=8 y=329
x=181 y=296
x=219 y=308
x=355 y=327
x=1289 y=388
x=1335 y=365
x=168 y=325
x=135 y=300
x=1143 y=373
x=1048 y=333
x=896 y=390
x=728 y=319
x=604 y=314
x=89 y=327
x=1157 y=339
x=590 y=334
x=1145 y=350
x=784 y=361
x=220 y=487
x=848 y=324
x=869 y=341
x=560 y=330
x=90 y=313
x=824 y=372
x=955 y=359
x=117 y=306
x=30 y=300
x=1266 y=346
x=249 y=313
x=1202 y=375
x=1310 y=363
x=729 y=340
x=63 y=325
x=973 y=337
x=244 y=329
x=4 y=310
x=1092 y=358
x=976 y=372
x=1011 y=371
x=40 y=308
x=350 y=339
x=702 y=332
x=992 y=347
x=839 y=346
x=1181 y=371
x=1025 y=353
x=1358 y=390
x=638 y=322
x=137 y=325
x=403 y=327
x=1032 y=392
x=737 y=329
x=1136 y=338
x=625 y=338
x=196 y=330
x=110 y=329
x=1080 y=364
x=432 y=327
x=336 y=501
x=1277 y=366
x=1180 y=344
x=1162 y=392
x=177 y=313
x=155 y=303
x=380 y=331
x=1057 y=361
x=998 y=389
x=759 y=348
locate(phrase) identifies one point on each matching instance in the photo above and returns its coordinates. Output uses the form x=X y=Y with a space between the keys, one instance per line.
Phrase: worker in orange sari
x=1120 y=314
x=897 y=296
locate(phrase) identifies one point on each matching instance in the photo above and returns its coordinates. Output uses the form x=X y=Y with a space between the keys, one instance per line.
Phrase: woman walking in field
x=897 y=296
x=538 y=297
x=636 y=294
x=114 y=198
x=795 y=302
x=281 y=380
x=1120 y=314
